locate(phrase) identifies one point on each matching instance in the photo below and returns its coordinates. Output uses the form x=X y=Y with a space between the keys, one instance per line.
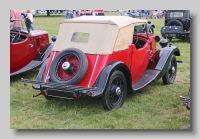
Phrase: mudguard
x=45 y=53
x=105 y=74
x=40 y=76
x=43 y=66
x=164 y=58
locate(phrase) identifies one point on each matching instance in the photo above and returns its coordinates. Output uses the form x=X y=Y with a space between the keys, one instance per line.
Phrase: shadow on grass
x=94 y=104
x=179 y=41
x=86 y=103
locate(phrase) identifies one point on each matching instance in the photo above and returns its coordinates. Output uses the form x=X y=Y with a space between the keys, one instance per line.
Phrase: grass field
x=157 y=106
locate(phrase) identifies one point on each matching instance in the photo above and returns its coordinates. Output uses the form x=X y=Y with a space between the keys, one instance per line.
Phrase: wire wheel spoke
x=74 y=65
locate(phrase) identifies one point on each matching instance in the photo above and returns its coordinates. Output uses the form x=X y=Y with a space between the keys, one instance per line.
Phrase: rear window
x=176 y=14
x=80 y=37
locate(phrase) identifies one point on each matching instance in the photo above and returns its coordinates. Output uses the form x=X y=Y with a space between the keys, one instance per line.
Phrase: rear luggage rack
x=60 y=87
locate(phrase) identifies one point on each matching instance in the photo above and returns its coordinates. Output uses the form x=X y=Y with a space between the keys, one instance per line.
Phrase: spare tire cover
x=174 y=23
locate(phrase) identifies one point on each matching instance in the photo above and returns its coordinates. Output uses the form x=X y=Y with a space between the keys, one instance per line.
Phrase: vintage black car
x=177 y=24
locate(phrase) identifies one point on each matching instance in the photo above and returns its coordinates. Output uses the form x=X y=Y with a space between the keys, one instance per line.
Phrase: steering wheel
x=15 y=37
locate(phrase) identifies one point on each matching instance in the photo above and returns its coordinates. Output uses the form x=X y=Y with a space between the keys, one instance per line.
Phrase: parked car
x=186 y=100
x=28 y=49
x=177 y=24
x=41 y=11
x=85 y=12
x=98 y=12
x=104 y=56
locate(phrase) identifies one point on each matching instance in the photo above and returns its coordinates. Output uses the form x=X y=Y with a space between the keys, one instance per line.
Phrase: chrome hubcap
x=173 y=70
x=118 y=91
x=65 y=65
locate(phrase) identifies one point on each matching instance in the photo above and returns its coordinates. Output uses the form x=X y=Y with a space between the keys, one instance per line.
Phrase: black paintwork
x=103 y=78
x=185 y=20
x=176 y=26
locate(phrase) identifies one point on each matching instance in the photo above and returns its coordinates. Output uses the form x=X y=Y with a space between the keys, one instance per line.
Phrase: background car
x=28 y=49
x=177 y=24
x=104 y=56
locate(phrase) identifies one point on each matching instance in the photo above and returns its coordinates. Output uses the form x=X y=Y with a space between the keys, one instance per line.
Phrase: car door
x=21 y=53
x=140 y=56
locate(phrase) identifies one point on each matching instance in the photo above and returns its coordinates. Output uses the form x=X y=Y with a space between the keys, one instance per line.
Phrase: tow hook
x=37 y=94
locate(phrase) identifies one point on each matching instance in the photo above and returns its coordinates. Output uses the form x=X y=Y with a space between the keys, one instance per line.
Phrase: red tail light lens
x=44 y=93
x=74 y=97
x=185 y=104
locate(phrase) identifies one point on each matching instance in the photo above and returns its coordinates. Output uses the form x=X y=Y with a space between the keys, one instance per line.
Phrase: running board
x=149 y=76
x=33 y=64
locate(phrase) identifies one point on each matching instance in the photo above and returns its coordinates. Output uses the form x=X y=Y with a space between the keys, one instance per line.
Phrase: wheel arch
x=40 y=75
x=106 y=73
x=165 y=55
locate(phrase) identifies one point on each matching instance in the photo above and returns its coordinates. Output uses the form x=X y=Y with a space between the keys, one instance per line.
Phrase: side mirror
x=157 y=38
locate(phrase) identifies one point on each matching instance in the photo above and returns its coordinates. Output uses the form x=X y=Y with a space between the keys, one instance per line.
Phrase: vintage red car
x=104 y=56
x=28 y=50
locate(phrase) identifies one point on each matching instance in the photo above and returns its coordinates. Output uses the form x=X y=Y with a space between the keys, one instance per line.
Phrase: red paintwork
x=24 y=52
x=136 y=60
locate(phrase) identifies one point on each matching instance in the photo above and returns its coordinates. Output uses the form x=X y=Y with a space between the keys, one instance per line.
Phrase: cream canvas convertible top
x=101 y=34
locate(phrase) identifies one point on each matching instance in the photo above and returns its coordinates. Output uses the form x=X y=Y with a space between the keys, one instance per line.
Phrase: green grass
x=156 y=106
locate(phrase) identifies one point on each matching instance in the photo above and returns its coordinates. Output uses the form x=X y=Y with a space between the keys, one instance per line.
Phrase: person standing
x=30 y=17
x=17 y=24
x=68 y=15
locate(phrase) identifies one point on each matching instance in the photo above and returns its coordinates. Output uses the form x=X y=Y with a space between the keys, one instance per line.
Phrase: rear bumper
x=61 y=90
x=186 y=102
x=173 y=31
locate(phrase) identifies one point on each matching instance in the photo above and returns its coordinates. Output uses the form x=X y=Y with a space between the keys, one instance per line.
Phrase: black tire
x=111 y=98
x=170 y=73
x=174 y=23
x=188 y=39
x=78 y=65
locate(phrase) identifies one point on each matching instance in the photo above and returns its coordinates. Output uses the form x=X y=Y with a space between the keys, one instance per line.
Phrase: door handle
x=31 y=45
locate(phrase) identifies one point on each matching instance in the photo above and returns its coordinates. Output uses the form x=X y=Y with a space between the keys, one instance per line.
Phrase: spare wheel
x=69 y=66
x=174 y=23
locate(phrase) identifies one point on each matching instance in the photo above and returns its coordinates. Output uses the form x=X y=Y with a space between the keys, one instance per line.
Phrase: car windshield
x=140 y=28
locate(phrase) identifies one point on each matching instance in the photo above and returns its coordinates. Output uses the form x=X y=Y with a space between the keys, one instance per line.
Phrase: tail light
x=44 y=93
x=74 y=97
x=185 y=104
